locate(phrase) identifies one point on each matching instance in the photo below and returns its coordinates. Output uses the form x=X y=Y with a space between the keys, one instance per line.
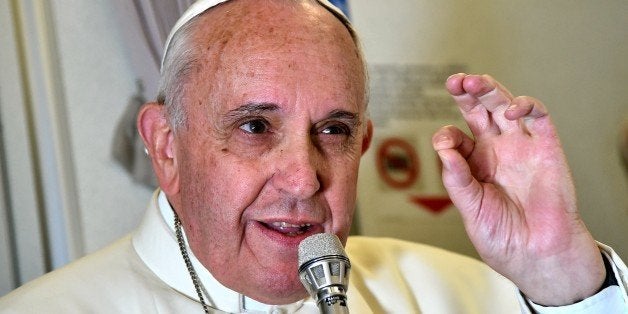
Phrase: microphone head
x=324 y=271
x=319 y=245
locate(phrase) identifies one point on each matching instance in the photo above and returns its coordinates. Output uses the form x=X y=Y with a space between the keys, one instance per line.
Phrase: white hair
x=178 y=63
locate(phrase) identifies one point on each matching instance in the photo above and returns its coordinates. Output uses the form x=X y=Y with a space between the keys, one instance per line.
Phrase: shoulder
x=429 y=274
x=107 y=274
x=361 y=248
x=396 y=276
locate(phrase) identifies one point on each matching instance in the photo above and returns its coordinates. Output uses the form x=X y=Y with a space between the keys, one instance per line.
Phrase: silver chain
x=186 y=258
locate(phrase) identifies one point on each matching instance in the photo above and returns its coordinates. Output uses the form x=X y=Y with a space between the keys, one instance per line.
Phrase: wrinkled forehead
x=201 y=6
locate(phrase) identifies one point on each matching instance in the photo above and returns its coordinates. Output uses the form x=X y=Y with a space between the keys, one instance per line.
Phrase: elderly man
x=256 y=140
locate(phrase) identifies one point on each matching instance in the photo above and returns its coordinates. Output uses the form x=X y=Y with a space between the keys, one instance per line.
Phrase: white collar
x=156 y=244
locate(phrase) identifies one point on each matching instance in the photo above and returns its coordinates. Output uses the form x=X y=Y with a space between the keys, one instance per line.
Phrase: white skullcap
x=201 y=6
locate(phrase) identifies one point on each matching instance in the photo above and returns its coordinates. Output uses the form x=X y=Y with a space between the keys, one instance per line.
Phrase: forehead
x=252 y=18
x=253 y=38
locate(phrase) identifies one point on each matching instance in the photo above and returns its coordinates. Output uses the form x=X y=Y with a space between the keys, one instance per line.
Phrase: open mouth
x=288 y=228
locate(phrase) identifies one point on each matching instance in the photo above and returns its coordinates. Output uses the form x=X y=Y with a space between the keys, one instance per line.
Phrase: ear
x=159 y=141
x=368 y=137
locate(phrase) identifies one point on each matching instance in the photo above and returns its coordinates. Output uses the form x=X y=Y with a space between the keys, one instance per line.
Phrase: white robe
x=145 y=273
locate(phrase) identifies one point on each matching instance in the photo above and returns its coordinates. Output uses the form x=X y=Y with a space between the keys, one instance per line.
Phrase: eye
x=336 y=129
x=257 y=126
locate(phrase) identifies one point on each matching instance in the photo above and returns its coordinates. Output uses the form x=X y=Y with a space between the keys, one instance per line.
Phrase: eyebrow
x=251 y=109
x=342 y=114
x=351 y=117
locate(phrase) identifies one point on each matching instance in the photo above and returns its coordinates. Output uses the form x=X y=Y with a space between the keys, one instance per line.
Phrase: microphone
x=324 y=271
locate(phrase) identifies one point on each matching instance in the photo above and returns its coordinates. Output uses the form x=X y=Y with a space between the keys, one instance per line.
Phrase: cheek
x=215 y=193
x=341 y=194
x=220 y=187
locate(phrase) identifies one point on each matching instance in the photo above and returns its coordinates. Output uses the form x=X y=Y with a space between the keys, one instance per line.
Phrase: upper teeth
x=283 y=224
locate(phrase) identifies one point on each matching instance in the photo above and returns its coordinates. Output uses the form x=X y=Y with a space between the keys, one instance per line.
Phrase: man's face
x=271 y=149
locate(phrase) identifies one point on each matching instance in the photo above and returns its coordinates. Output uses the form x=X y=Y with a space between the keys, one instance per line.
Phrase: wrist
x=565 y=278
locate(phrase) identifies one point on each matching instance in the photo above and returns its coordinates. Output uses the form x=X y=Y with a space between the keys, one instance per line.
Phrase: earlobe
x=159 y=141
x=368 y=137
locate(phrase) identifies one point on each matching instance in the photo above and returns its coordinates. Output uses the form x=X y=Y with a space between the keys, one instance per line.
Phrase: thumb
x=464 y=190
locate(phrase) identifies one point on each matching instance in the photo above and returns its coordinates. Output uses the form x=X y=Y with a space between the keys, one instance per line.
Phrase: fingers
x=476 y=116
x=525 y=107
x=450 y=137
x=488 y=107
x=531 y=114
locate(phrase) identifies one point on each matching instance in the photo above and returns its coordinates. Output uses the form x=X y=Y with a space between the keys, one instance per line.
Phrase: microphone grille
x=319 y=245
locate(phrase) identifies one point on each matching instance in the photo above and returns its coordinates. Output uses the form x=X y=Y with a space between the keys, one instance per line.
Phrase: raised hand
x=514 y=190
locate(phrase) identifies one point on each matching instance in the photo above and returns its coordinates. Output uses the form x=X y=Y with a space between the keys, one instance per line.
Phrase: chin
x=278 y=291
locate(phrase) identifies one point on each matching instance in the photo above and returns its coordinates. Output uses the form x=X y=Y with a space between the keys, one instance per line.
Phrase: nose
x=297 y=169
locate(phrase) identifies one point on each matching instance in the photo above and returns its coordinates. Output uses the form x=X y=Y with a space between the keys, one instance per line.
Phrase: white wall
x=98 y=83
x=22 y=245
